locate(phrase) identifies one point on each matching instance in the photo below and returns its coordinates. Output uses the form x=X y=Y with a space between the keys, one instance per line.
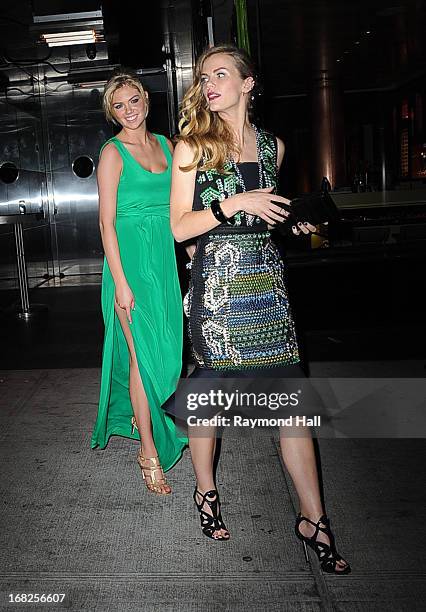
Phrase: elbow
x=177 y=232
x=178 y=237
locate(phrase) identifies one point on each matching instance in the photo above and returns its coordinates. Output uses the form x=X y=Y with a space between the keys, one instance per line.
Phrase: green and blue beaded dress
x=237 y=303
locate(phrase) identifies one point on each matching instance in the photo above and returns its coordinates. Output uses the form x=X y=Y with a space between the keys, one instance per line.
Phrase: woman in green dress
x=141 y=299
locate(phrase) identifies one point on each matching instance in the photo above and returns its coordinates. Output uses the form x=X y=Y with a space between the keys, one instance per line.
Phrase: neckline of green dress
x=160 y=141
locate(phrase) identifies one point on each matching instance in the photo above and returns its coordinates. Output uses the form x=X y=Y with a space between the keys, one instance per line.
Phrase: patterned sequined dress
x=237 y=304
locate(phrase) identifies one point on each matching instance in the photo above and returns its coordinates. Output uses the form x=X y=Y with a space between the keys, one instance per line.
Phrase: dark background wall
x=374 y=55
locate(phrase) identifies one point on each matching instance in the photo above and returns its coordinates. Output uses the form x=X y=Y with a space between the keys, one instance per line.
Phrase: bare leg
x=202 y=446
x=299 y=458
x=138 y=398
x=202 y=443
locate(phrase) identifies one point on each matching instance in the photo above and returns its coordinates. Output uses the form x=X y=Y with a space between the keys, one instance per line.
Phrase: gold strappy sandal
x=152 y=472
x=150 y=468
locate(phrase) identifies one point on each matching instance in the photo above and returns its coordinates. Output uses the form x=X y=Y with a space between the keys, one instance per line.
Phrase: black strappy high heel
x=210 y=522
x=326 y=553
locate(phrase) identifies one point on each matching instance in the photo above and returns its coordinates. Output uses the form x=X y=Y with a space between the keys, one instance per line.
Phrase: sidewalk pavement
x=81 y=522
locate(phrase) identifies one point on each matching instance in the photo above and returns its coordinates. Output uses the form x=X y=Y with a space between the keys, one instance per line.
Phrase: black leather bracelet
x=219 y=214
x=217 y=211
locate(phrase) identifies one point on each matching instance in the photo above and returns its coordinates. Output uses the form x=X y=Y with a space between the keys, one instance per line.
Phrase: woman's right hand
x=258 y=202
x=124 y=299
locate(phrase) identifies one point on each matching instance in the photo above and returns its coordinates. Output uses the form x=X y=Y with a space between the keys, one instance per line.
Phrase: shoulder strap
x=269 y=146
x=163 y=143
x=269 y=153
x=105 y=144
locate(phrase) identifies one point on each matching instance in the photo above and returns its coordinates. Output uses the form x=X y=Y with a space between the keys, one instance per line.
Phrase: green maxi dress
x=149 y=264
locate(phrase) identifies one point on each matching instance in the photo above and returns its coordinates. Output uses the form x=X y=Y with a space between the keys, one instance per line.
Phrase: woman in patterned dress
x=240 y=324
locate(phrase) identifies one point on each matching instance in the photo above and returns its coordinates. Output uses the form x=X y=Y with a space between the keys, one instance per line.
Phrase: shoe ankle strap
x=322 y=519
x=212 y=494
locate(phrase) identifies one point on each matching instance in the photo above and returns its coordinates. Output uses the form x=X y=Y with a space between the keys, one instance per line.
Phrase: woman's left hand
x=303 y=228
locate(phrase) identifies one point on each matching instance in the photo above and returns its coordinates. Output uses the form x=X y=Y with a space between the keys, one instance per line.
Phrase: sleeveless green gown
x=149 y=264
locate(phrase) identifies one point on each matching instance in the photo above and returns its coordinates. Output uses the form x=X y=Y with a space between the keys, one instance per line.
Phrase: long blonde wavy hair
x=208 y=135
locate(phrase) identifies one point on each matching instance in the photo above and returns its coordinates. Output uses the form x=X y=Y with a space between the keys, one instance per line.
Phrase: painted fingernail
x=305 y=223
x=300 y=224
x=293 y=227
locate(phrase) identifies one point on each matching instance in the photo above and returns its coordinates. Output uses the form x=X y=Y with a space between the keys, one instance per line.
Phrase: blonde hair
x=120 y=78
x=203 y=130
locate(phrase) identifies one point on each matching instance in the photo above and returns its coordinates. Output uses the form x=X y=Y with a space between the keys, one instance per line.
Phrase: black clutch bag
x=315 y=208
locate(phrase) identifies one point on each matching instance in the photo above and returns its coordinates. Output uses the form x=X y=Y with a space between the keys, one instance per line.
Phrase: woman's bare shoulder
x=110 y=151
x=184 y=152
